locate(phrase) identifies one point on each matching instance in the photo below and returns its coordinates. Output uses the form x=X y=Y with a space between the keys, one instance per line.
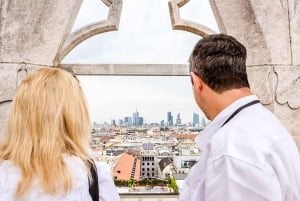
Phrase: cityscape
x=144 y=128
x=151 y=158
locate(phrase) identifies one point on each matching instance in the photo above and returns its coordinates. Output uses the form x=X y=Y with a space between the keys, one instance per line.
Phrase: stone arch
x=110 y=24
x=115 y=8
x=179 y=23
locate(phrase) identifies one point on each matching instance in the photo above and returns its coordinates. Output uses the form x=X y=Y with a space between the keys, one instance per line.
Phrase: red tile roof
x=124 y=167
x=183 y=136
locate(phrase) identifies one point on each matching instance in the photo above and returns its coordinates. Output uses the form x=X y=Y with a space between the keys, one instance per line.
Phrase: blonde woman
x=44 y=154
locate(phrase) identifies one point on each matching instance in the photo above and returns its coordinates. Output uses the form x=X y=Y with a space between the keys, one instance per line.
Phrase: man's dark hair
x=220 y=61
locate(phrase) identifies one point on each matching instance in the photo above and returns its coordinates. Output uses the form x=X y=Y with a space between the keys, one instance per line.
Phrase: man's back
x=252 y=157
x=256 y=144
x=246 y=153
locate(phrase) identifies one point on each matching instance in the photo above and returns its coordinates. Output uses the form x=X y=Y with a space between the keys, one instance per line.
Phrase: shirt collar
x=204 y=136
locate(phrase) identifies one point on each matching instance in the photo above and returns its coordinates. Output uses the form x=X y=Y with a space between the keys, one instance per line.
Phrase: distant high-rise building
x=121 y=122
x=95 y=124
x=162 y=123
x=169 y=119
x=113 y=122
x=128 y=121
x=135 y=118
x=195 y=119
x=141 y=121
x=203 y=123
x=178 y=120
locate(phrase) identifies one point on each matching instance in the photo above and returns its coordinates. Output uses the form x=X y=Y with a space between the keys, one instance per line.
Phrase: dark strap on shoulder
x=93 y=185
x=239 y=109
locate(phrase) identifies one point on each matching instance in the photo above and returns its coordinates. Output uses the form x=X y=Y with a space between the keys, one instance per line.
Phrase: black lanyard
x=240 y=109
x=93 y=182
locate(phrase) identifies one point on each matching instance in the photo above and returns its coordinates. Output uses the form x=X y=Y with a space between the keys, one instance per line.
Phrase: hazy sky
x=145 y=36
x=117 y=97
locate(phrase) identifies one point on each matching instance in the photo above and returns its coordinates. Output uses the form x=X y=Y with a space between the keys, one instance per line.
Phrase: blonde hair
x=49 y=118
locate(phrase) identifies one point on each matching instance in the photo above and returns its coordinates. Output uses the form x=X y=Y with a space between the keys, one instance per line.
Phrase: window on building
x=188 y=163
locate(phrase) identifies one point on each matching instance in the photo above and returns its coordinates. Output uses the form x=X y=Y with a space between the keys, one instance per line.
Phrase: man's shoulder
x=243 y=141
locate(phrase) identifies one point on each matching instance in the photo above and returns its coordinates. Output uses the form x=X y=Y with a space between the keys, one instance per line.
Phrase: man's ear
x=196 y=81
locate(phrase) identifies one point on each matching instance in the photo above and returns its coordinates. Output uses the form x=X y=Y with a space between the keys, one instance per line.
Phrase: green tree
x=129 y=183
x=173 y=185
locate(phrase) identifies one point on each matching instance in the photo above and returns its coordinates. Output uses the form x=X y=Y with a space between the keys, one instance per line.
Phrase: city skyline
x=115 y=97
x=165 y=119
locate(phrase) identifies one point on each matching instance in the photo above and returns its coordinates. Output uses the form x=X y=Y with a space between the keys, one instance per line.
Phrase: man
x=247 y=155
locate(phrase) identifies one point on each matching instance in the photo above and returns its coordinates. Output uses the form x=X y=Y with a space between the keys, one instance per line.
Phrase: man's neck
x=223 y=100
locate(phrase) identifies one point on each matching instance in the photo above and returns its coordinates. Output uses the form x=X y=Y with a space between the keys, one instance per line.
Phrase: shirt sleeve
x=286 y=162
x=230 y=179
x=107 y=188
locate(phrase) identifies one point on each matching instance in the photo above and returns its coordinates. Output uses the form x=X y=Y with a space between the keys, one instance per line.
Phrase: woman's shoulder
x=73 y=160
x=7 y=167
x=102 y=167
x=78 y=166
x=5 y=164
x=9 y=178
x=107 y=188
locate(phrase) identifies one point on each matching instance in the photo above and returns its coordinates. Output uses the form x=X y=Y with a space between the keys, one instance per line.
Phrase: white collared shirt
x=251 y=158
x=10 y=177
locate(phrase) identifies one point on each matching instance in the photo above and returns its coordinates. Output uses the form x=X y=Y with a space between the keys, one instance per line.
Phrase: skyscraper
x=169 y=119
x=195 y=119
x=135 y=118
x=178 y=120
x=128 y=121
x=203 y=123
x=141 y=121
